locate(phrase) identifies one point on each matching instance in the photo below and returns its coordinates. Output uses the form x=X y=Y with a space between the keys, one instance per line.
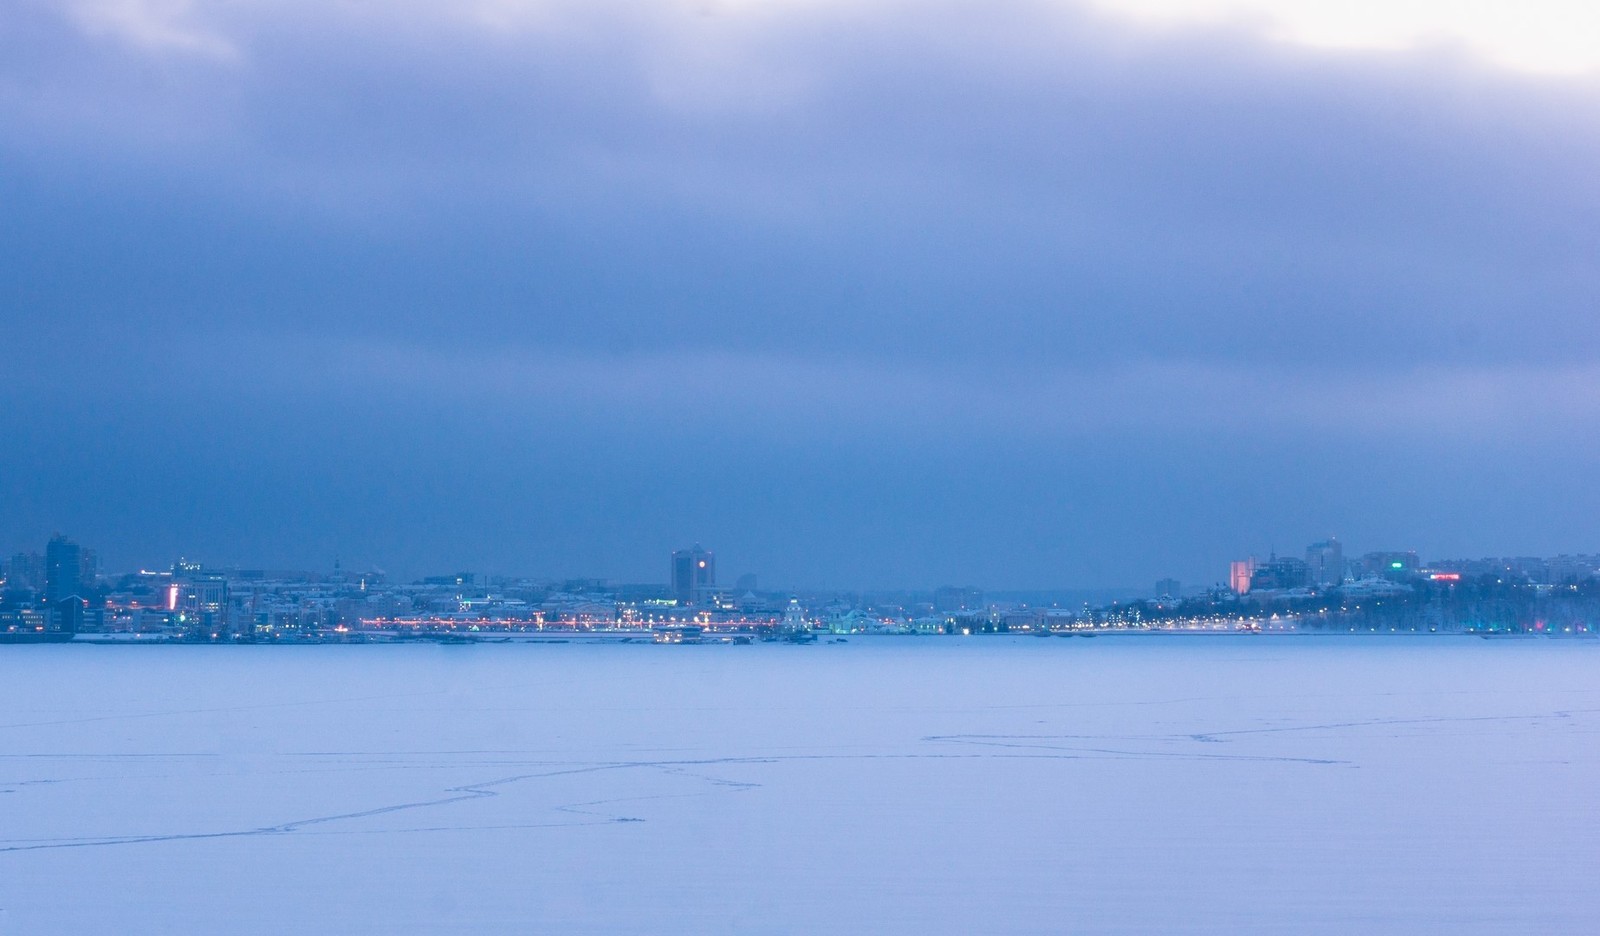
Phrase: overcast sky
x=1011 y=293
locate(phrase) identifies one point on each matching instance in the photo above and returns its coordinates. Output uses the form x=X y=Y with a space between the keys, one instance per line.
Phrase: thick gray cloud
x=893 y=293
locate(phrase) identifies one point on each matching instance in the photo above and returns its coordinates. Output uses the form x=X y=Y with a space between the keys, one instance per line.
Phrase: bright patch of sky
x=1554 y=36
x=1544 y=36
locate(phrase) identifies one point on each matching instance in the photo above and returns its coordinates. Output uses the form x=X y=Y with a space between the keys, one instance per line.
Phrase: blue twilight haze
x=1019 y=293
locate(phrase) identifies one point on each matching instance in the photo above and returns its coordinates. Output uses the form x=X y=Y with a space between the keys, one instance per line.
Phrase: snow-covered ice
x=889 y=785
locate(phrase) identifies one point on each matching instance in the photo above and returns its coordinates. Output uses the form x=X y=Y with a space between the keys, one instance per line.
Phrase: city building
x=794 y=618
x=1571 y=570
x=25 y=572
x=203 y=600
x=951 y=599
x=1239 y=575
x=694 y=574
x=63 y=583
x=1326 y=560
x=88 y=567
x=1169 y=588
x=1390 y=564
x=63 y=569
x=1280 y=573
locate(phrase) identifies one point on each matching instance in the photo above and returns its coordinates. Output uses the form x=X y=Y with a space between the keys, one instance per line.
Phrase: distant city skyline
x=691 y=572
x=59 y=597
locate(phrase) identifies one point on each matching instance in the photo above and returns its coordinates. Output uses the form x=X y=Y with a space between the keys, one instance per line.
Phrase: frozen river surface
x=1115 y=785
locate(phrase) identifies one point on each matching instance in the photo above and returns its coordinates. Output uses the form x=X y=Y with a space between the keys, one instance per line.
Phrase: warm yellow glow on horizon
x=1549 y=36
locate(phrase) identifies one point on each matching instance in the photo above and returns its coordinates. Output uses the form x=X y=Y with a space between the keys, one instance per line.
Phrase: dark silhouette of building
x=1280 y=572
x=63 y=583
x=25 y=572
x=952 y=599
x=694 y=571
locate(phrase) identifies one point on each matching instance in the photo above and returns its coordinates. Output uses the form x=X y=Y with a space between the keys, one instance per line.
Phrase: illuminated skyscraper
x=694 y=571
x=1239 y=575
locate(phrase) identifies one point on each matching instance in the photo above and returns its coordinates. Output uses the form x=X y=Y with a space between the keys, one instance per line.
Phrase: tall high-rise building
x=694 y=571
x=1239 y=575
x=1326 y=560
x=1169 y=588
x=88 y=567
x=25 y=572
x=63 y=583
x=63 y=569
